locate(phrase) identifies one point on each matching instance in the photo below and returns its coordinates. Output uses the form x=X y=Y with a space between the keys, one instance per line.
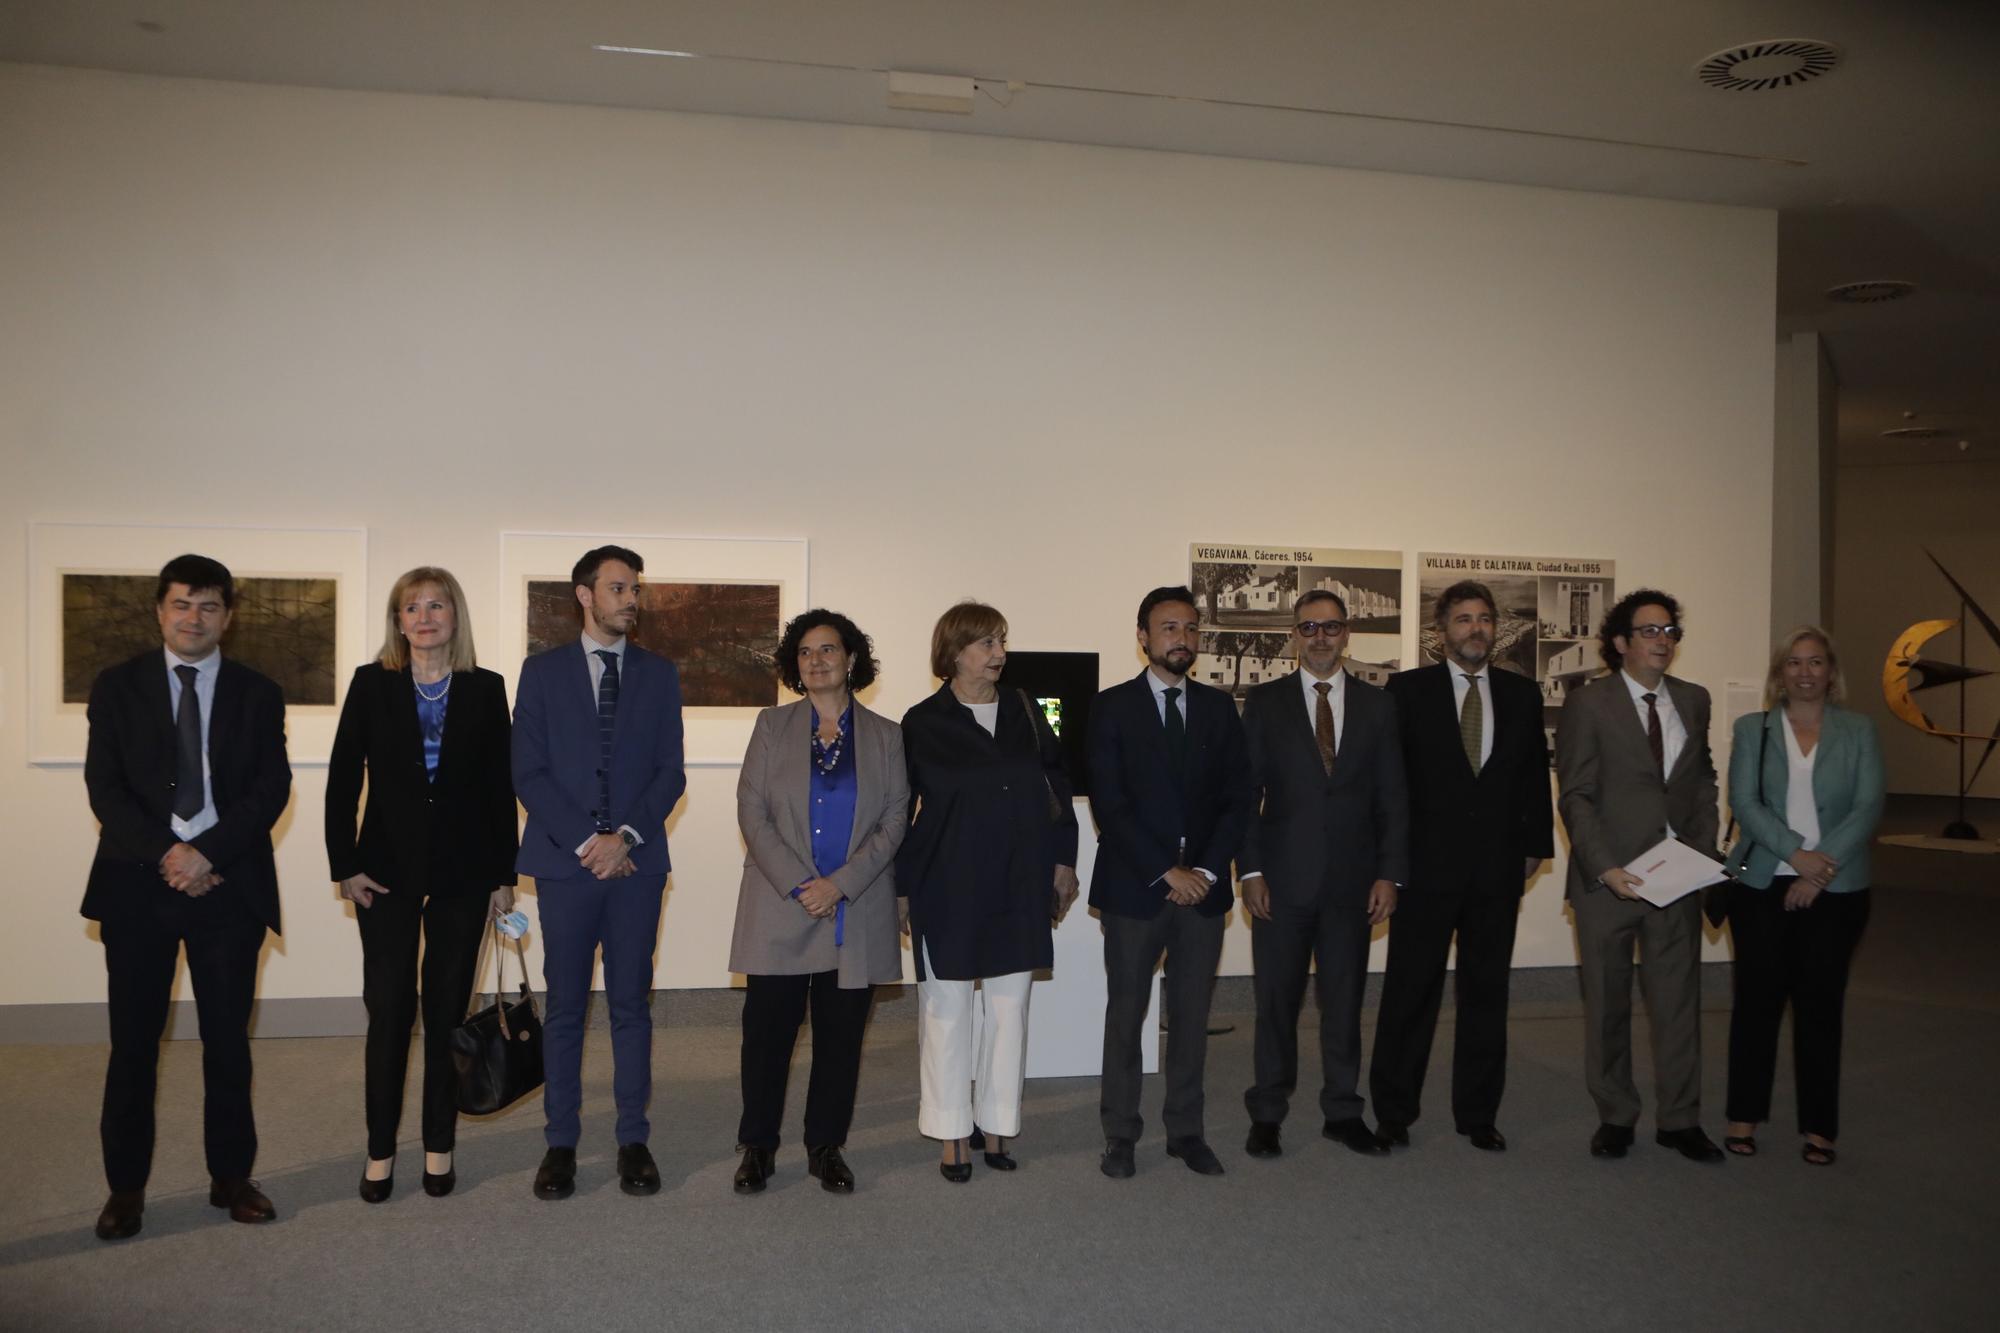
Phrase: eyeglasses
x=1673 y=632
x=1332 y=629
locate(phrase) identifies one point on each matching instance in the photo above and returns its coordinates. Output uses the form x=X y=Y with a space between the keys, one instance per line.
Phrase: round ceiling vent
x=1914 y=433
x=1778 y=63
x=1870 y=293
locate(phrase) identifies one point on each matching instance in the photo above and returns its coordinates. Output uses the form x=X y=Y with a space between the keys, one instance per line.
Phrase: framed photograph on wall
x=301 y=618
x=714 y=605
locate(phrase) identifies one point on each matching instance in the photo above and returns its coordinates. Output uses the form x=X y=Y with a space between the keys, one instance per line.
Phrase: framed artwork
x=714 y=605
x=299 y=618
x=1244 y=592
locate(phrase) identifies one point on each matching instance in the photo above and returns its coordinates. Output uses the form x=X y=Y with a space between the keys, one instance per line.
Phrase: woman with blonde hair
x=1805 y=785
x=434 y=859
x=987 y=868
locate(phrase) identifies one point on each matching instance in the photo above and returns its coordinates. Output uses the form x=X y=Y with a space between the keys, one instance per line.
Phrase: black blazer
x=979 y=863
x=1471 y=832
x=1315 y=839
x=470 y=804
x=1143 y=814
x=129 y=772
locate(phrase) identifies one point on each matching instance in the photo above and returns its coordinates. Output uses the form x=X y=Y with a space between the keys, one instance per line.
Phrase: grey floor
x=1901 y=1234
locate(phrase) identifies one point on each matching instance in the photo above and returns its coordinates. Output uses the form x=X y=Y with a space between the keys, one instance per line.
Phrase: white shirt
x=1336 y=697
x=1160 y=688
x=1461 y=681
x=1801 y=811
x=1673 y=733
x=205 y=672
x=987 y=716
x=591 y=649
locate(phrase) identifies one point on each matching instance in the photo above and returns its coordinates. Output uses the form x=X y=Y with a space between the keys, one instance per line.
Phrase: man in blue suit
x=597 y=764
x=1172 y=792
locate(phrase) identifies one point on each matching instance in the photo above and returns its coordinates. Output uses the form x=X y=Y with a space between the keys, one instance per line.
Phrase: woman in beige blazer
x=823 y=803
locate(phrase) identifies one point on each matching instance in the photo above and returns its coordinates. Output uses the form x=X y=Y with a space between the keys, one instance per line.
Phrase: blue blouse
x=834 y=789
x=430 y=720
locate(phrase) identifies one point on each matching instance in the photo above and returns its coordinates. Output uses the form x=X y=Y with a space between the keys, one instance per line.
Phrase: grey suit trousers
x=1669 y=940
x=1192 y=944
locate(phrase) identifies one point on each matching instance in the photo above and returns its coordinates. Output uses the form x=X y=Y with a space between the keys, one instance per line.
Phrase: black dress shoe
x=439 y=1184
x=637 y=1173
x=1610 y=1140
x=555 y=1178
x=378 y=1191
x=976 y=1140
x=1356 y=1135
x=245 y=1202
x=955 y=1171
x=1393 y=1133
x=1263 y=1140
x=1194 y=1150
x=1690 y=1143
x=1486 y=1138
x=998 y=1159
x=757 y=1167
x=1117 y=1160
x=826 y=1165
x=121 y=1214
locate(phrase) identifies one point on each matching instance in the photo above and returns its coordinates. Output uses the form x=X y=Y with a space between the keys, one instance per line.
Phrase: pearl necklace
x=433 y=698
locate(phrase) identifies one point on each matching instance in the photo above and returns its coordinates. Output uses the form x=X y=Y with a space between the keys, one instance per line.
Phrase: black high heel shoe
x=955 y=1171
x=377 y=1191
x=997 y=1157
x=437 y=1186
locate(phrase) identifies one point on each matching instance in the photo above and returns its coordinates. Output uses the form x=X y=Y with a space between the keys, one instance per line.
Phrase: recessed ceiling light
x=1778 y=63
x=1869 y=293
x=1914 y=433
x=647 y=51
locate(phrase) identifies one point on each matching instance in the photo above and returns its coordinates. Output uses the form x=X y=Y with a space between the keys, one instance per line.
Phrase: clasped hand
x=187 y=871
x=820 y=896
x=1185 y=887
x=607 y=857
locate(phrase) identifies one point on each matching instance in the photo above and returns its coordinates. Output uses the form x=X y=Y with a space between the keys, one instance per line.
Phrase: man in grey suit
x=1633 y=765
x=1320 y=866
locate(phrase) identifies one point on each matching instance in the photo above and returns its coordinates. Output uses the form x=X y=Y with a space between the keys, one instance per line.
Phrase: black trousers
x=1413 y=988
x=773 y=1007
x=449 y=927
x=140 y=952
x=1801 y=957
x=1281 y=951
x=1192 y=944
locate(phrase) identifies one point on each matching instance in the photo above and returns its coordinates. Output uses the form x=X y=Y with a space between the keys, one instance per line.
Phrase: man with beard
x=1633 y=763
x=1170 y=790
x=597 y=764
x=1320 y=866
x=1480 y=825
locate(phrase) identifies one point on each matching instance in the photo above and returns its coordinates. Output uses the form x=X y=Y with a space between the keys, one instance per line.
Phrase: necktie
x=1323 y=725
x=1655 y=739
x=607 y=713
x=189 y=796
x=1472 y=721
x=1176 y=732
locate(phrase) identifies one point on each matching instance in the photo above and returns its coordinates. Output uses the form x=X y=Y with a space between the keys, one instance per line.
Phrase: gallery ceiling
x=1882 y=167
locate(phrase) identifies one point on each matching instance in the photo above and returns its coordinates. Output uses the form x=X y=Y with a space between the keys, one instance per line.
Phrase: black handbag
x=497 y=1052
x=1715 y=900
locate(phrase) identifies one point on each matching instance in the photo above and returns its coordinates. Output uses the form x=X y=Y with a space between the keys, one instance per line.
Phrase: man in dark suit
x=1171 y=793
x=187 y=773
x=1633 y=765
x=1481 y=823
x=1320 y=866
x=598 y=765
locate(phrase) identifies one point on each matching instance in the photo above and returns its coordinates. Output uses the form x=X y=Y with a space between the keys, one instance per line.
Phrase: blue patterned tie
x=607 y=715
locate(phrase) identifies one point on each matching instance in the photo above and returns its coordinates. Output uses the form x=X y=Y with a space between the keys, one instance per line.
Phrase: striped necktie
x=1472 y=722
x=607 y=715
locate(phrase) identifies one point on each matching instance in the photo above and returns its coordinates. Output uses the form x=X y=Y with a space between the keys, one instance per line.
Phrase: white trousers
x=950 y=1020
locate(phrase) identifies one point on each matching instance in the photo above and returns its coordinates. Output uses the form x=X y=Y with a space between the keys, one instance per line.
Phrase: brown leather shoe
x=245 y=1202
x=121 y=1214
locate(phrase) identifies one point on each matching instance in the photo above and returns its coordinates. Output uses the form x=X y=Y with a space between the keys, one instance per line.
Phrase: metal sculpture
x=1907 y=672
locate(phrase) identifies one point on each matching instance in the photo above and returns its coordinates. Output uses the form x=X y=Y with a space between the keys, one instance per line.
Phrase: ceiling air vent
x=1914 y=433
x=1778 y=63
x=1870 y=293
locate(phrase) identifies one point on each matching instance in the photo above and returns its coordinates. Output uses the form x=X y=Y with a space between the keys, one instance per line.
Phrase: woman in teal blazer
x=1805 y=785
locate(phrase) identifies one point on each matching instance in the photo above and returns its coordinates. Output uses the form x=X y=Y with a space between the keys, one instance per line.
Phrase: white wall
x=1028 y=372
x=1808 y=403
x=1887 y=516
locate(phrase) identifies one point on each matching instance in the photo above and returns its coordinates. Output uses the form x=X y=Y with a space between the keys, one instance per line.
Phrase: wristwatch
x=629 y=838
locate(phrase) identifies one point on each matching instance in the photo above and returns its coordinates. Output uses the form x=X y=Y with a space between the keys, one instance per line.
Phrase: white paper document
x=1671 y=870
